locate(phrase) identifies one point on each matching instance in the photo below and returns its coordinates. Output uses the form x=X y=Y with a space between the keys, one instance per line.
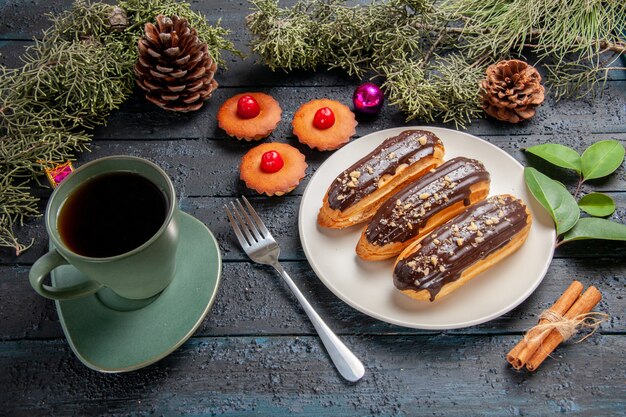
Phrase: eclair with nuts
x=459 y=250
x=355 y=195
x=421 y=206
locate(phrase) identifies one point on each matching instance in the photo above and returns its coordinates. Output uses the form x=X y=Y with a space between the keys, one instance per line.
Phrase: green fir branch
x=72 y=79
x=422 y=46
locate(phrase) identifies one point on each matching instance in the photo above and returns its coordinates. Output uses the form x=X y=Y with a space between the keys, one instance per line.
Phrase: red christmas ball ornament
x=368 y=98
x=247 y=107
x=271 y=162
x=324 y=118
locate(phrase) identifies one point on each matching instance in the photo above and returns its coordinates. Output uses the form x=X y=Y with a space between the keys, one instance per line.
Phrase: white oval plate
x=368 y=286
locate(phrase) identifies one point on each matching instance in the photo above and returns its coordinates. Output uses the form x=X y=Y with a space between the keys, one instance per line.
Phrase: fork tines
x=246 y=224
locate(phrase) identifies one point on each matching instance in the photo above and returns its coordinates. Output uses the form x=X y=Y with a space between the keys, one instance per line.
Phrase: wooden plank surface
x=282 y=216
x=431 y=375
x=256 y=352
x=253 y=300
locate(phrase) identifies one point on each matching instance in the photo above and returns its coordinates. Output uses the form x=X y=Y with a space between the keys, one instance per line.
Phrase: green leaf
x=594 y=228
x=559 y=155
x=602 y=158
x=597 y=204
x=553 y=197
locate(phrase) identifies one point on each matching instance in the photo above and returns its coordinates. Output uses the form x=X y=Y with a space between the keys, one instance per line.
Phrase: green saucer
x=113 y=340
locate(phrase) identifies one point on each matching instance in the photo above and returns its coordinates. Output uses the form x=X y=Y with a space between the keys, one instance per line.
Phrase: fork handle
x=348 y=365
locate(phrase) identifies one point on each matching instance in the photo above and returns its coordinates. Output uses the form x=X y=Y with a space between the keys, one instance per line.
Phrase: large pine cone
x=512 y=91
x=174 y=68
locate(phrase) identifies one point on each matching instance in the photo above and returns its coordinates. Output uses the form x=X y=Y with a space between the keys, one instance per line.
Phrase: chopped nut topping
x=355 y=174
x=427 y=205
x=410 y=226
x=436 y=241
x=341 y=197
x=472 y=226
x=447 y=179
x=351 y=184
x=408 y=206
x=455 y=228
x=424 y=196
x=370 y=169
x=488 y=222
x=436 y=196
x=411 y=264
x=433 y=260
x=422 y=140
x=426 y=271
x=442 y=268
x=479 y=233
x=391 y=155
x=479 y=239
x=398 y=202
x=501 y=214
x=459 y=241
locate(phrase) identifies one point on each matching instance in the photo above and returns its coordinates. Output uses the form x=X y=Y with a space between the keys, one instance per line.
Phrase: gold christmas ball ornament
x=174 y=66
x=512 y=91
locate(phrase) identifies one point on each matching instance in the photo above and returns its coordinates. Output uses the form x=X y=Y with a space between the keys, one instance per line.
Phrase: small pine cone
x=512 y=91
x=174 y=67
x=118 y=21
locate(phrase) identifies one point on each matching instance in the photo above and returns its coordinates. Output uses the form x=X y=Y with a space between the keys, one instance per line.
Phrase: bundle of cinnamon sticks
x=557 y=323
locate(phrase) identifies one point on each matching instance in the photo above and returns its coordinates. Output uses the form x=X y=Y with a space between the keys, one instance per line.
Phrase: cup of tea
x=115 y=220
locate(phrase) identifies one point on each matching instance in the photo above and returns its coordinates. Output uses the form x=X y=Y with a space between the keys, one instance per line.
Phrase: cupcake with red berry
x=324 y=124
x=272 y=168
x=249 y=116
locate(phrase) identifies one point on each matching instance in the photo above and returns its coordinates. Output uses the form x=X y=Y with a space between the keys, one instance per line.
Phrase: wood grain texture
x=253 y=300
x=256 y=352
x=282 y=216
x=436 y=375
x=137 y=120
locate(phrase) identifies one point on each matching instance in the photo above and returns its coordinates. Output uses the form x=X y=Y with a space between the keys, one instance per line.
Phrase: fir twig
x=72 y=79
x=409 y=42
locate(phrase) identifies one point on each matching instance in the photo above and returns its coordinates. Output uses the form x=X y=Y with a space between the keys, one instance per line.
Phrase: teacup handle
x=47 y=263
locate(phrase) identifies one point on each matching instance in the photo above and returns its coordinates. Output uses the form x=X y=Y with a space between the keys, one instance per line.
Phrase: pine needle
x=433 y=55
x=72 y=79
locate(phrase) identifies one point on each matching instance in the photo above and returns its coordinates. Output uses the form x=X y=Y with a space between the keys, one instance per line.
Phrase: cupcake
x=272 y=168
x=324 y=124
x=249 y=116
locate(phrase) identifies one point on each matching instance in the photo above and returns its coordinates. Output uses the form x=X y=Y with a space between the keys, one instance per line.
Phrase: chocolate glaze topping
x=401 y=217
x=361 y=179
x=451 y=248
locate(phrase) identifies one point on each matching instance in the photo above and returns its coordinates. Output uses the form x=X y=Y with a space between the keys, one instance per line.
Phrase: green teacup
x=139 y=272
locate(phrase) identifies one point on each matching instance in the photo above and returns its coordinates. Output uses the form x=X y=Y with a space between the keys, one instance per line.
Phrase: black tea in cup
x=111 y=214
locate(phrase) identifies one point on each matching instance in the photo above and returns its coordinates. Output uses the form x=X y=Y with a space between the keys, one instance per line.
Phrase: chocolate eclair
x=462 y=248
x=421 y=206
x=355 y=195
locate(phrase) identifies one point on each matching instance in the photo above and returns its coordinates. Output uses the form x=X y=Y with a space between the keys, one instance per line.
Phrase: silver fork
x=261 y=247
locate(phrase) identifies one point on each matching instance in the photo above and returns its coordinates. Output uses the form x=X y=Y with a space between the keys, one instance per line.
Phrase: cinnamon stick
x=523 y=351
x=583 y=305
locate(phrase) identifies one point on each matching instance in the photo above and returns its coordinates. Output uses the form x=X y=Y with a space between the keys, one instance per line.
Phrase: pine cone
x=175 y=68
x=118 y=21
x=512 y=91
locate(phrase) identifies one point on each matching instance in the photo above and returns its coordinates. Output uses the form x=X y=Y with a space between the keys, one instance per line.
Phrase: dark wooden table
x=256 y=353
